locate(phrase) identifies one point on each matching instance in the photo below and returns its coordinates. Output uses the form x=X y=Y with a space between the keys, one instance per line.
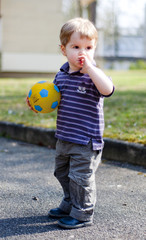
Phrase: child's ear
x=63 y=50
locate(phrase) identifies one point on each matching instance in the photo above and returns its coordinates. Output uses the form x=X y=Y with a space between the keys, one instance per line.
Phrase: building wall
x=30 y=35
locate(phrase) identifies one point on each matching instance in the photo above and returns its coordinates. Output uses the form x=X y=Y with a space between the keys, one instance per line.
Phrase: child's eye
x=88 y=48
x=76 y=47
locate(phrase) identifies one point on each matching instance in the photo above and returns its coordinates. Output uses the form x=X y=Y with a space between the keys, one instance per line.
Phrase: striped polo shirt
x=80 y=115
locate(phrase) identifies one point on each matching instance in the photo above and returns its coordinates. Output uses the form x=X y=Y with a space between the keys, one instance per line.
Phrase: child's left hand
x=30 y=107
x=85 y=64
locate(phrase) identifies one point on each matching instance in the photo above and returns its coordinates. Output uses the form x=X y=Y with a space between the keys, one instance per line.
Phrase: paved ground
x=28 y=190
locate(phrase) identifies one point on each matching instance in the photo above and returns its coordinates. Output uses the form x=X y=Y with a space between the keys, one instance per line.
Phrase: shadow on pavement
x=26 y=225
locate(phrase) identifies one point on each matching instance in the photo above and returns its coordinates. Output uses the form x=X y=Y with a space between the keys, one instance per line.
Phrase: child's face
x=77 y=48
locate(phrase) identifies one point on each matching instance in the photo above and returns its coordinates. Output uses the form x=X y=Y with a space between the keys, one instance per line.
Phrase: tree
x=80 y=8
x=90 y=7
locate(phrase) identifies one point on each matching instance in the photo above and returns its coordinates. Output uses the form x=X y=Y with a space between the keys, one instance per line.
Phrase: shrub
x=138 y=65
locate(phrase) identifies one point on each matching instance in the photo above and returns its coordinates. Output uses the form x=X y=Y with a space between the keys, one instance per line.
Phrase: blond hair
x=83 y=26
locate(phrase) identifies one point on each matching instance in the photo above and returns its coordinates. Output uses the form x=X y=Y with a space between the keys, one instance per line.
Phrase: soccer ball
x=44 y=97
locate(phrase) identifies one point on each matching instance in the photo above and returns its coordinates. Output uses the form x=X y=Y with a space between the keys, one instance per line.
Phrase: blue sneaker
x=57 y=213
x=71 y=223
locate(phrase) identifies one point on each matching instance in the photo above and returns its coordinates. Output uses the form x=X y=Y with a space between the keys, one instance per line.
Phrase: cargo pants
x=75 y=167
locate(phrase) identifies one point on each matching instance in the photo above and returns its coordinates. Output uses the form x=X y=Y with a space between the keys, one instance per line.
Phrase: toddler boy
x=80 y=123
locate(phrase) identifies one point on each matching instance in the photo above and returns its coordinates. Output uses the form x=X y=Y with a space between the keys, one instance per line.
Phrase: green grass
x=125 y=116
x=125 y=111
x=13 y=106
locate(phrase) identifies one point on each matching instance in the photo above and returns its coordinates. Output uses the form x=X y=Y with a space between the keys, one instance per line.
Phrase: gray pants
x=75 y=168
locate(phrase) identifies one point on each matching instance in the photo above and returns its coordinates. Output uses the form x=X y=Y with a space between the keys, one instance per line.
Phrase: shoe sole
x=84 y=224
x=57 y=216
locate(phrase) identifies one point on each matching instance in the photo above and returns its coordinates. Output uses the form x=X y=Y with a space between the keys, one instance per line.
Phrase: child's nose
x=82 y=51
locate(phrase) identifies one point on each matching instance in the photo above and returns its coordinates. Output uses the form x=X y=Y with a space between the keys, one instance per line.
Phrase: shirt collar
x=65 y=68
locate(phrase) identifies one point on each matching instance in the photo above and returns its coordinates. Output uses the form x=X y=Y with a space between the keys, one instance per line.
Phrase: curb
x=114 y=150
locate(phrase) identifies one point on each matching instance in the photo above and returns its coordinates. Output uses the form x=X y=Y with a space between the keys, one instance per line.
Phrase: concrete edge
x=114 y=150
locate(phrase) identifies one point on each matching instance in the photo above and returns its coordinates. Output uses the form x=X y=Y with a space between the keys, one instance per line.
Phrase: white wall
x=0 y=34
x=30 y=35
x=28 y=62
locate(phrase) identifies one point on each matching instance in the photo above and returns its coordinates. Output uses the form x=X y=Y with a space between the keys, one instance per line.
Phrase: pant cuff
x=82 y=215
x=65 y=206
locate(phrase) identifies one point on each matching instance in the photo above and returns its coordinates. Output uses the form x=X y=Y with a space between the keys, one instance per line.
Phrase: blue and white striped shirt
x=80 y=115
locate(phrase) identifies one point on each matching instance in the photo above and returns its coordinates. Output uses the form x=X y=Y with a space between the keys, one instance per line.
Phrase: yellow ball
x=44 y=97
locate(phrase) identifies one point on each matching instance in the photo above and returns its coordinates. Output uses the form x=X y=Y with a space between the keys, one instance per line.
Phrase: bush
x=138 y=65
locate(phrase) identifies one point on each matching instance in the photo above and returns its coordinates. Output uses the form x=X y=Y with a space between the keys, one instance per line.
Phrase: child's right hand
x=30 y=107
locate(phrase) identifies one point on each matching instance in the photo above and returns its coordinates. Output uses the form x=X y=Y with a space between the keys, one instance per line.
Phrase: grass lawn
x=125 y=111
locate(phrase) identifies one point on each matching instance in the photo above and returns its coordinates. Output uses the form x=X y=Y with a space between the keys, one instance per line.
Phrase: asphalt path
x=28 y=190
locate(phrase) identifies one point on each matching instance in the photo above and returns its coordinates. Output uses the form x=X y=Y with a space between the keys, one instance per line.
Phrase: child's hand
x=85 y=64
x=30 y=107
